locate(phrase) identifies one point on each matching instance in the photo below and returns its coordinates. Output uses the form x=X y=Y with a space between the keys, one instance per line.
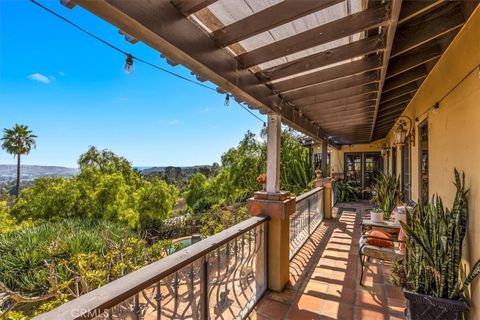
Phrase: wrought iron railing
x=221 y=277
x=307 y=217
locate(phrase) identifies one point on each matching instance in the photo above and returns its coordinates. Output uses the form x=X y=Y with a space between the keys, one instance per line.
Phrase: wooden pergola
x=340 y=71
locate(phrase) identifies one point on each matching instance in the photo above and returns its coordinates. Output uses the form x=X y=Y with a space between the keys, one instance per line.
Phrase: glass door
x=362 y=169
x=353 y=168
x=373 y=166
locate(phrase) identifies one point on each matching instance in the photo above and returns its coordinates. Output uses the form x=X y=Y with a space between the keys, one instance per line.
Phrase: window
x=406 y=171
x=423 y=162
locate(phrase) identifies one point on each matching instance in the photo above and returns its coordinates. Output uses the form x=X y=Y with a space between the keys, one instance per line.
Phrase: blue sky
x=73 y=93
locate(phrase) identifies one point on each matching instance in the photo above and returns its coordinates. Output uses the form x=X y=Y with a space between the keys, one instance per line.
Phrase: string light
x=128 y=67
x=227 y=100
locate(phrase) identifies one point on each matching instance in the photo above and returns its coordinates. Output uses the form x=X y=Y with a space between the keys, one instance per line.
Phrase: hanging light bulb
x=227 y=100
x=128 y=67
x=264 y=124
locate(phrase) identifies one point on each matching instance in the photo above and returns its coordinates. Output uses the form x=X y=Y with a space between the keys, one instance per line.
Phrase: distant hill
x=30 y=172
x=179 y=175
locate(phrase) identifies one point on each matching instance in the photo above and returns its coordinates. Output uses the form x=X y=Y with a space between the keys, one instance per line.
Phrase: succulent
x=386 y=193
x=435 y=235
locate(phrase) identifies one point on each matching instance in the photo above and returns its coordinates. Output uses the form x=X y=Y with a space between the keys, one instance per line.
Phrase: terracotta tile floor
x=324 y=280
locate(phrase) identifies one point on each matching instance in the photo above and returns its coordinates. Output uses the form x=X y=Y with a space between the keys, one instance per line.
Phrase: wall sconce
x=404 y=130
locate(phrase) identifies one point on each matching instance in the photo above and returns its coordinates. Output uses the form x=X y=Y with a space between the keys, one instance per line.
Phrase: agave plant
x=386 y=193
x=346 y=191
x=435 y=234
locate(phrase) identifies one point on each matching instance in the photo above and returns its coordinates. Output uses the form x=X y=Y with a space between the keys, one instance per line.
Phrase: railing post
x=204 y=314
x=309 y=218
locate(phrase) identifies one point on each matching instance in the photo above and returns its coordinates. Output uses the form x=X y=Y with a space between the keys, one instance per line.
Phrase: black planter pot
x=423 y=307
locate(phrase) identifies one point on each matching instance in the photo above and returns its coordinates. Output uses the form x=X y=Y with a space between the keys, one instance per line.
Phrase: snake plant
x=386 y=193
x=346 y=191
x=435 y=235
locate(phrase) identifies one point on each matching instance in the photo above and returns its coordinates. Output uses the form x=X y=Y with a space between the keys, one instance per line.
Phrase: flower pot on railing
x=421 y=307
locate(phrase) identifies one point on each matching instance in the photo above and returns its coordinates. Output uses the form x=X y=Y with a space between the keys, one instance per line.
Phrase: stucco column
x=326 y=183
x=278 y=205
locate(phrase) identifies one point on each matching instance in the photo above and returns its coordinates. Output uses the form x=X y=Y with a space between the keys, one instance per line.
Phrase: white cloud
x=40 y=78
x=61 y=73
x=205 y=110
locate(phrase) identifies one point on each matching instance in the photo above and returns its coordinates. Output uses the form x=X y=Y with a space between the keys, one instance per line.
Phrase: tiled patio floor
x=324 y=281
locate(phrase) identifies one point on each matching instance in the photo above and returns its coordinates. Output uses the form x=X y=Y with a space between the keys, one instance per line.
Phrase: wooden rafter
x=344 y=93
x=330 y=74
x=269 y=18
x=187 y=7
x=413 y=9
x=406 y=89
x=349 y=51
x=334 y=85
x=390 y=31
x=404 y=78
x=412 y=36
x=406 y=62
x=341 y=103
x=340 y=28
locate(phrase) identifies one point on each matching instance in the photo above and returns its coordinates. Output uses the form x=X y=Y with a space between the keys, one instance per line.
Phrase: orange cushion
x=380 y=242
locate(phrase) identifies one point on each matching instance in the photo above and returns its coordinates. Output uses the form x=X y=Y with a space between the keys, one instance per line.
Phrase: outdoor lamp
x=404 y=130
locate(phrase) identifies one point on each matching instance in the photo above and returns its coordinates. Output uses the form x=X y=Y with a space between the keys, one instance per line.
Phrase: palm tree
x=18 y=141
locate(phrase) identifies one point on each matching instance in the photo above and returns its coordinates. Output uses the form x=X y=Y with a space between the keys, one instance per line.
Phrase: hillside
x=31 y=172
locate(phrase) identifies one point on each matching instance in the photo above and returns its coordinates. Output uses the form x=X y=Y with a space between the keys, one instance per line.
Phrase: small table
x=386 y=225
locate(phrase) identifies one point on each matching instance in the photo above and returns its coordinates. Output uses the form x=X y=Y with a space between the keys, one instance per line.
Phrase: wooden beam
x=391 y=29
x=404 y=78
x=406 y=62
x=180 y=40
x=355 y=109
x=343 y=102
x=395 y=102
x=268 y=18
x=346 y=52
x=337 y=72
x=413 y=9
x=330 y=86
x=187 y=7
x=412 y=36
x=340 y=28
x=390 y=119
x=407 y=89
x=344 y=93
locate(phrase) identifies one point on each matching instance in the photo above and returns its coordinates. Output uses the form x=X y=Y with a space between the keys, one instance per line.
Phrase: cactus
x=434 y=243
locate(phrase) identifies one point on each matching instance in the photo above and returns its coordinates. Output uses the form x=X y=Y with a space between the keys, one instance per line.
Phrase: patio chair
x=368 y=251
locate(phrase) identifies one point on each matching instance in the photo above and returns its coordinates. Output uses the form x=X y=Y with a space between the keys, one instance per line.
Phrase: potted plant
x=386 y=193
x=346 y=191
x=430 y=271
x=376 y=214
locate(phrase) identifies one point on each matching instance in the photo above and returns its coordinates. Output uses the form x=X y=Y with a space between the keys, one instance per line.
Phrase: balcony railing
x=221 y=277
x=307 y=217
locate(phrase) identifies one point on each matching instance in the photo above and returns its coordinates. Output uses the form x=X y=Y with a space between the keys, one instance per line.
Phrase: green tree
x=107 y=188
x=196 y=189
x=18 y=141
